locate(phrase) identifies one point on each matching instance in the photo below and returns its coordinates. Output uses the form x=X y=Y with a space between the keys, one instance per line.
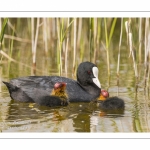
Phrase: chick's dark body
x=112 y=103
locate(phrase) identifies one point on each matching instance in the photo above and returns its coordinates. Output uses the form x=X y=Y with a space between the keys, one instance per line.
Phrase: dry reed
x=120 y=40
x=86 y=34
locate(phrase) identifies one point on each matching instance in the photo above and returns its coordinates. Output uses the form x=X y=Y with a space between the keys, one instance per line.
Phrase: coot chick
x=86 y=88
x=58 y=96
x=110 y=103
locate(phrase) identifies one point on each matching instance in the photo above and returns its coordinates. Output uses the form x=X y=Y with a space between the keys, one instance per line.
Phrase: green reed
x=95 y=39
x=108 y=38
x=62 y=32
x=10 y=51
x=2 y=32
x=74 y=49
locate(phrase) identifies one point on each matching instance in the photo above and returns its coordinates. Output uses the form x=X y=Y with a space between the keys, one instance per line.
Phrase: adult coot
x=110 y=103
x=58 y=96
x=86 y=88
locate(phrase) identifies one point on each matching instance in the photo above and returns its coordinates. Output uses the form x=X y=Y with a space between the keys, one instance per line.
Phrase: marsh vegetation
x=120 y=47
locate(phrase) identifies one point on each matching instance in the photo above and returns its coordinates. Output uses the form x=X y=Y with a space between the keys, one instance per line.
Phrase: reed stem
x=35 y=41
x=0 y=24
x=2 y=31
x=120 y=46
x=107 y=44
x=45 y=37
x=66 y=51
x=95 y=39
x=79 y=32
x=32 y=34
x=74 y=49
x=60 y=45
x=140 y=39
x=146 y=37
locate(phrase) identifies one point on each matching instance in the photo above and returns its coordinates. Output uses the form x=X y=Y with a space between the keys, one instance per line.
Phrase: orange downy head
x=103 y=96
x=59 y=90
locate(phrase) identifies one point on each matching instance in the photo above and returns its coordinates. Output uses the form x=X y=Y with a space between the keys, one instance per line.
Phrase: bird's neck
x=92 y=91
x=60 y=94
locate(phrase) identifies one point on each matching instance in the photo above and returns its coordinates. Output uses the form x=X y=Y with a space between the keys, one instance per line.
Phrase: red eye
x=89 y=72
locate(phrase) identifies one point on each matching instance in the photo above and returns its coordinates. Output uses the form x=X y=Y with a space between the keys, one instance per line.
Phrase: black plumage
x=58 y=96
x=110 y=103
x=86 y=88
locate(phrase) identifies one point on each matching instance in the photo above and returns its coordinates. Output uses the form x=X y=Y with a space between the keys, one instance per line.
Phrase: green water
x=78 y=117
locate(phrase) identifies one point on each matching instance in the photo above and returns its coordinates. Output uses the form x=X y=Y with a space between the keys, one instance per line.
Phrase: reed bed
x=78 y=39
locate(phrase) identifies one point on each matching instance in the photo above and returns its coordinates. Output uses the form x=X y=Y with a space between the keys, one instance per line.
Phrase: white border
x=77 y=5
x=49 y=135
x=78 y=8
x=74 y=14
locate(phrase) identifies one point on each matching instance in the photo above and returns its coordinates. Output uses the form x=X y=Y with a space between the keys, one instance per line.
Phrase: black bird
x=58 y=96
x=110 y=103
x=86 y=88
